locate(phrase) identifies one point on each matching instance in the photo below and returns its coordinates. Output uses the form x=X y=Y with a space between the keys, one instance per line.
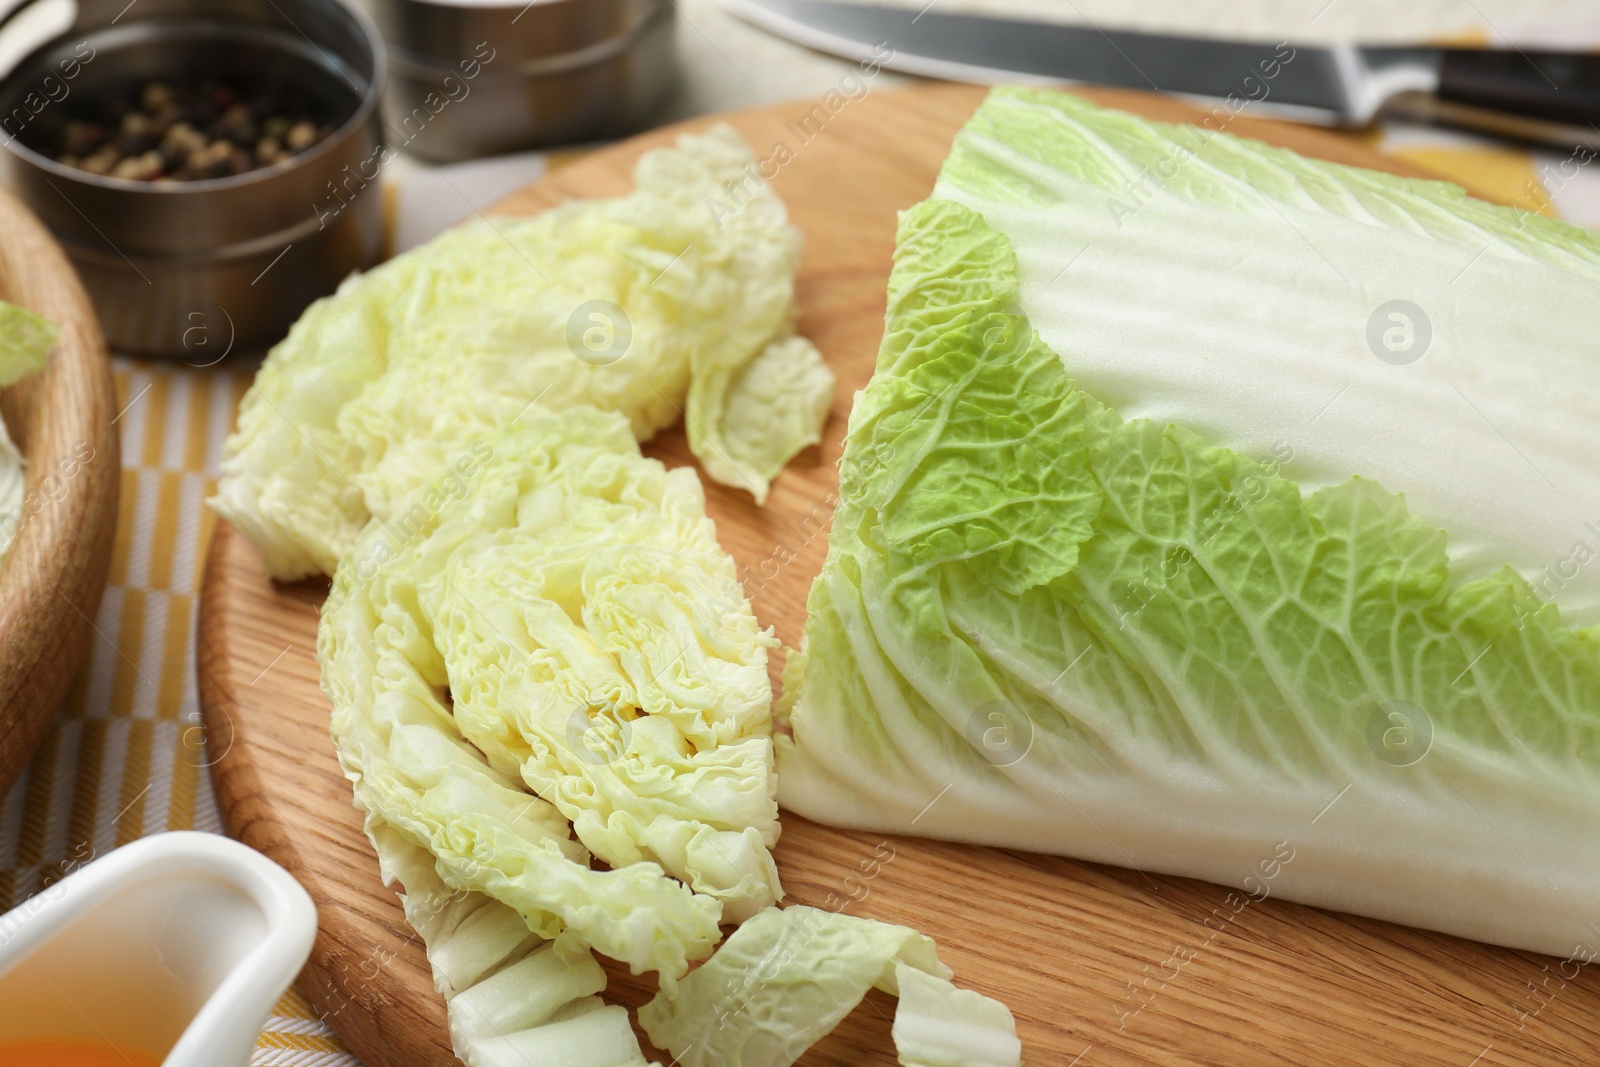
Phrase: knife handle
x=1552 y=87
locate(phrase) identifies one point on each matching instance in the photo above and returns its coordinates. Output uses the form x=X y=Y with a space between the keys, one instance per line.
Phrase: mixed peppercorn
x=169 y=133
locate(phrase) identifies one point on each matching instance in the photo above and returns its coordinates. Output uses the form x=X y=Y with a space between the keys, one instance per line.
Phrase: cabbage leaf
x=1047 y=623
x=645 y=304
x=788 y=976
x=937 y=1024
x=510 y=995
x=548 y=641
x=547 y=657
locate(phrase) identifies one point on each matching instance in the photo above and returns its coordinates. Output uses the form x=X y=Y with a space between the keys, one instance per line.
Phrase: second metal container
x=477 y=79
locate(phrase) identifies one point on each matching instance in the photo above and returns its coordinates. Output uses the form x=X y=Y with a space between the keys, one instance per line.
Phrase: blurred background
x=725 y=62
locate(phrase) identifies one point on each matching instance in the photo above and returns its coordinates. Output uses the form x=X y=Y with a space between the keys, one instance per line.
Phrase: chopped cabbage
x=1124 y=639
x=939 y=1025
x=787 y=977
x=645 y=304
x=549 y=641
x=775 y=406
x=507 y=991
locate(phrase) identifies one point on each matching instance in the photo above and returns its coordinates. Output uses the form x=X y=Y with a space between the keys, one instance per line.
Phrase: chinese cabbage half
x=1122 y=568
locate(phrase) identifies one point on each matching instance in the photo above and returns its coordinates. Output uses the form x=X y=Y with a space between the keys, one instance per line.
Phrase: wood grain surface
x=61 y=420
x=1086 y=956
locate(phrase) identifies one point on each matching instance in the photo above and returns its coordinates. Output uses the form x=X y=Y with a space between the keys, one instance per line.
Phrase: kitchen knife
x=1552 y=97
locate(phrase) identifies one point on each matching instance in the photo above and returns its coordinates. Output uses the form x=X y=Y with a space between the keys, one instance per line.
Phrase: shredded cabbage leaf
x=788 y=976
x=646 y=304
x=937 y=1024
x=547 y=657
x=512 y=997
x=775 y=406
x=550 y=642
x=1076 y=631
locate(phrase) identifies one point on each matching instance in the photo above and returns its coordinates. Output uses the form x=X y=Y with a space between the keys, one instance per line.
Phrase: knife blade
x=1544 y=96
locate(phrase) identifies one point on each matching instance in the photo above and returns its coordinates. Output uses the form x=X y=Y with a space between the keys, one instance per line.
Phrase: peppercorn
x=170 y=131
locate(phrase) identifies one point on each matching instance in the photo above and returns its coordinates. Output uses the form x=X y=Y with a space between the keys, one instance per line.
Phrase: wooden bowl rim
x=61 y=420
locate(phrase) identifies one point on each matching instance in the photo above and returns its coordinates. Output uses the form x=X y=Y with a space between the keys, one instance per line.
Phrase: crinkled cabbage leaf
x=647 y=304
x=788 y=976
x=513 y=999
x=546 y=656
x=549 y=642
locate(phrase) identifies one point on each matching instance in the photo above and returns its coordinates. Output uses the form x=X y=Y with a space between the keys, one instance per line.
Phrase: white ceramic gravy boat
x=177 y=944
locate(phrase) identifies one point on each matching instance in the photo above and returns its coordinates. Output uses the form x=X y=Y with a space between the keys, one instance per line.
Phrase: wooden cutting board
x=1083 y=954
